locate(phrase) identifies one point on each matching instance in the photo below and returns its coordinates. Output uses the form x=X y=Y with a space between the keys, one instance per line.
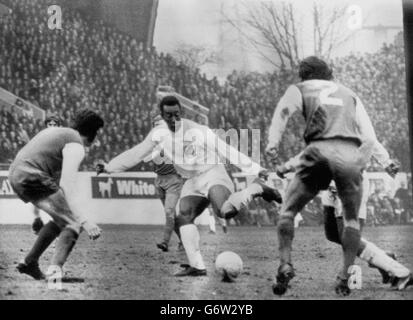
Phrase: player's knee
x=72 y=234
x=227 y=211
x=184 y=217
x=170 y=212
x=285 y=226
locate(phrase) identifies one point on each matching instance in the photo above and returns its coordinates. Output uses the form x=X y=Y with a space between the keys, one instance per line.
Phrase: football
x=228 y=265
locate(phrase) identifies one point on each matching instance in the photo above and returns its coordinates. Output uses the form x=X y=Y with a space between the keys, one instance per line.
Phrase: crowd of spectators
x=90 y=64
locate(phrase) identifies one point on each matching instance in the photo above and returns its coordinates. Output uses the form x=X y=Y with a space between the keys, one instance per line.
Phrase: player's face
x=172 y=117
x=52 y=123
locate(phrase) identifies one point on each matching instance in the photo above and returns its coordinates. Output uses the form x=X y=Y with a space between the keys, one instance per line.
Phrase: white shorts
x=330 y=199
x=200 y=184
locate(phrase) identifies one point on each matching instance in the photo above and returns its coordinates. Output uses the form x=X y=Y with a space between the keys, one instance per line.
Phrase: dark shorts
x=323 y=161
x=32 y=185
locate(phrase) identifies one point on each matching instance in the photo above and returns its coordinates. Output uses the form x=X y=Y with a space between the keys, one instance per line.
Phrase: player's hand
x=100 y=168
x=92 y=230
x=282 y=170
x=392 y=169
x=264 y=174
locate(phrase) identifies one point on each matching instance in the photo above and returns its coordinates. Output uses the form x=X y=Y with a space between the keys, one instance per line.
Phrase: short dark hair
x=53 y=117
x=87 y=123
x=169 y=101
x=314 y=68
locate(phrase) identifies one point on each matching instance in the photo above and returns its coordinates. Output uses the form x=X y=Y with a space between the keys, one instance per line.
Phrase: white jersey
x=193 y=149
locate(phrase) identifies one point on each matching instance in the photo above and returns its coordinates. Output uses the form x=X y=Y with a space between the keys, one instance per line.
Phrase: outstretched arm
x=131 y=157
x=73 y=154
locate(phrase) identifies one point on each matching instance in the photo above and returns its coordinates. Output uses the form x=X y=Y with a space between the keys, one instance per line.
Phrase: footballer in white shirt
x=197 y=154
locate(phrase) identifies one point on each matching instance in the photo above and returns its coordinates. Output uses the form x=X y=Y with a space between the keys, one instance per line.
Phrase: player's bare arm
x=73 y=154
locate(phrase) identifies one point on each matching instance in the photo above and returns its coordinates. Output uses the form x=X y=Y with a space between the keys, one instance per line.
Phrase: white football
x=229 y=265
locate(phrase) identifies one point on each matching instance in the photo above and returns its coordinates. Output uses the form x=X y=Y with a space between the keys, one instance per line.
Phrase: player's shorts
x=43 y=191
x=169 y=188
x=30 y=184
x=199 y=185
x=331 y=199
x=169 y=183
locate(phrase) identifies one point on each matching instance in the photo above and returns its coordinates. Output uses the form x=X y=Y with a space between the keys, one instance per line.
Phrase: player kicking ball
x=44 y=173
x=336 y=128
x=195 y=150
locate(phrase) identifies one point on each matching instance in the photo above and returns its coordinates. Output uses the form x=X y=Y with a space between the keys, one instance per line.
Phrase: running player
x=37 y=225
x=195 y=151
x=335 y=150
x=44 y=173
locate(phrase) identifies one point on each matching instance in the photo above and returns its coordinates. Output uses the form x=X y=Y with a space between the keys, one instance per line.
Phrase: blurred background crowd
x=89 y=64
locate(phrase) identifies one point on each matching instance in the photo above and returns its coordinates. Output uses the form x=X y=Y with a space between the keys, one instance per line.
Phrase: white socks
x=190 y=240
x=245 y=196
x=378 y=258
x=212 y=223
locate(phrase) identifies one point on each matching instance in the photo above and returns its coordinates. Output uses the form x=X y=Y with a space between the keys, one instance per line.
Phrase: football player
x=169 y=185
x=391 y=271
x=195 y=150
x=340 y=140
x=44 y=173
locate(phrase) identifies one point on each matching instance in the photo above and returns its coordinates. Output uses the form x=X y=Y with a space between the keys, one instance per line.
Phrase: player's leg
x=30 y=264
x=56 y=206
x=242 y=198
x=171 y=201
x=212 y=222
x=218 y=194
x=296 y=197
x=162 y=195
x=191 y=206
x=347 y=174
x=377 y=258
x=224 y=225
x=31 y=187
x=37 y=224
x=313 y=175
x=330 y=225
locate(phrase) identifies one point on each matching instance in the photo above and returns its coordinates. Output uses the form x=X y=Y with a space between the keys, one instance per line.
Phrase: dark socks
x=351 y=244
x=46 y=236
x=285 y=228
